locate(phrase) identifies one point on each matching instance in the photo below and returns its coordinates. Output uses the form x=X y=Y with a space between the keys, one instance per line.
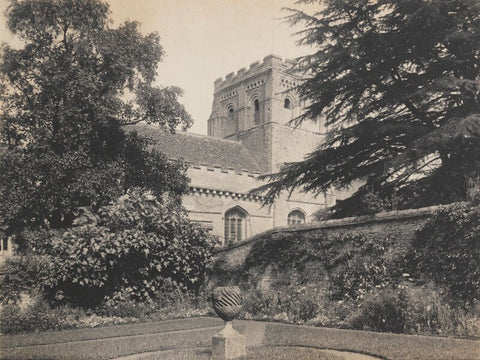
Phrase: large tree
x=66 y=95
x=398 y=83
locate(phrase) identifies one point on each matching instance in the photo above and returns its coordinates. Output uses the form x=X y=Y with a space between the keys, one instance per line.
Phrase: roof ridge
x=208 y=137
x=187 y=133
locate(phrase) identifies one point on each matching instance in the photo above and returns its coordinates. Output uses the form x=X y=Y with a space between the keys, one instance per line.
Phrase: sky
x=205 y=40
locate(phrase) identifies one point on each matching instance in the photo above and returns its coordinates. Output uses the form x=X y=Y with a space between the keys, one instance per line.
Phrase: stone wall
x=290 y=144
x=215 y=190
x=257 y=140
x=399 y=225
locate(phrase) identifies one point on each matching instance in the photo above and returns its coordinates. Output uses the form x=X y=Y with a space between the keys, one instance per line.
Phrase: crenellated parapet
x=269 y=62
x=201 y=191
x=262 y=93
x=226 y=170
x=221 y=178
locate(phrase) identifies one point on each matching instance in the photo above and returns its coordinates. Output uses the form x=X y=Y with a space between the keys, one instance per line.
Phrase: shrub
x=428 y=312
x=136 y=245
x=21 y=274
x=300 y=304
x=294 y=305
x=38 y=316
x=447 y=251
x=260 y=304
x=383 y=311
x=167 y=305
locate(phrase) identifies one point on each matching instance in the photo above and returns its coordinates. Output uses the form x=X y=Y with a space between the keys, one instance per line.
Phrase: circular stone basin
x=260 y=353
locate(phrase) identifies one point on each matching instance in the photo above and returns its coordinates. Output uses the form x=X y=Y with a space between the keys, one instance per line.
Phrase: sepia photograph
x=240 y=179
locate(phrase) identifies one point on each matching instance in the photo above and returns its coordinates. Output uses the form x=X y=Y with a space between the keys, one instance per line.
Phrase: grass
x=384 y=345
x=171 y=337
x=257 y=353
x=106 y=332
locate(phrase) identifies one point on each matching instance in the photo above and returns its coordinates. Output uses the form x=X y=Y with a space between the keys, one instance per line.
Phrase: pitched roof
x=199 y=149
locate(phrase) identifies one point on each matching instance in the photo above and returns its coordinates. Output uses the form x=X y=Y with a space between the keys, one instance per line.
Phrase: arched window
x=287 y=104
x=296 y=217
x=235 y=225
x=231 y=112
x=256 y=106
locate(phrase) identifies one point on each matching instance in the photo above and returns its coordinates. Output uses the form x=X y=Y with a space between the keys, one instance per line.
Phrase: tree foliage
x=65 y=95
x=398 y=84
x=133 y=248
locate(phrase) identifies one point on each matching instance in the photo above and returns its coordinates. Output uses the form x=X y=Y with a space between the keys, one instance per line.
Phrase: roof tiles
x=199 y=149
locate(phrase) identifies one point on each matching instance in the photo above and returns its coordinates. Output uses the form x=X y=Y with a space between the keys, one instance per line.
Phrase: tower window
x=287 y=104
x=235 y=225
x=231 y=112
x=256 y=106
x=296 y=217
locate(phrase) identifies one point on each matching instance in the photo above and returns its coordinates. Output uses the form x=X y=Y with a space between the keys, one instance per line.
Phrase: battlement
x=218 y=169
x=269 y=62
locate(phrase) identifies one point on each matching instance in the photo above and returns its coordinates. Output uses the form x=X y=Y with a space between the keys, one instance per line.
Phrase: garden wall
x=399 y=225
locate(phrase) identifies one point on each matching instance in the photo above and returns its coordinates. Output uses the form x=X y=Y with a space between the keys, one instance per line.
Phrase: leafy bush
x=128 y=250
x=260 y=304
x=38 y=316
x=21 y=274
x=167 y=305
x=428 y=312
x=383 y=311
x=300 y=305
x=294 y=305
x=447 y=251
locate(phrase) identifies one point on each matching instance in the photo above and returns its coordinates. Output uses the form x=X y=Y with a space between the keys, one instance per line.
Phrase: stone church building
x=249 y=133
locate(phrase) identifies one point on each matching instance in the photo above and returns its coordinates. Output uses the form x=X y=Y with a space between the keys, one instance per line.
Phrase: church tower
x=249 y=134
x=255 y=107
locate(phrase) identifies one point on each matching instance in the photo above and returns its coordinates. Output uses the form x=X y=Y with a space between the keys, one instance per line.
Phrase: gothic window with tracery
x=235 y=225
x=296 y=217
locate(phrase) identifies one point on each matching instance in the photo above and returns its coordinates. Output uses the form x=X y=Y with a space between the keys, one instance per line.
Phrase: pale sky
x=205 y=40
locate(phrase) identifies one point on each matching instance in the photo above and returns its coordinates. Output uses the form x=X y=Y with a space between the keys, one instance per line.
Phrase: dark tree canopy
x=65 y=95
x=398 y=83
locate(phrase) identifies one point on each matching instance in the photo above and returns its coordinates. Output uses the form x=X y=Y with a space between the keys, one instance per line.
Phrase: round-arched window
x=256 y=106
x=287 y=104
x=296 y=217
x=231 y=112
x=235 y=225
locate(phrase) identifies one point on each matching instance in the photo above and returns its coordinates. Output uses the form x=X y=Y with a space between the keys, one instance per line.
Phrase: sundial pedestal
x=227 y=302
x=228 y=344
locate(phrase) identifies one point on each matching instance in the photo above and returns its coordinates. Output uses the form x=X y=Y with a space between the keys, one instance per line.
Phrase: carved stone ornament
x=227 y=301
